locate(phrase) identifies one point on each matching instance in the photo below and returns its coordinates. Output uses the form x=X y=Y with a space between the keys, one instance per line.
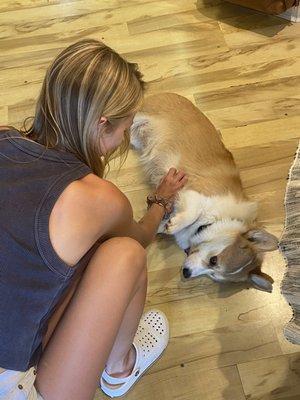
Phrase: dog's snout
x=186 y=272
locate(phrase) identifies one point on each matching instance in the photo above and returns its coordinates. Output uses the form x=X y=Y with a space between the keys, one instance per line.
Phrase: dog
x=213 y=221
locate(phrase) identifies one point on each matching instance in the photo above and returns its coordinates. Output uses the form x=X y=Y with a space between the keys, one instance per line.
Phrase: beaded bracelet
x=156 y=199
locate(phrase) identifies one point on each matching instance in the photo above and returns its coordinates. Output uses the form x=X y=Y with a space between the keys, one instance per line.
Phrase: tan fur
x=211 y=169
x=238 y=254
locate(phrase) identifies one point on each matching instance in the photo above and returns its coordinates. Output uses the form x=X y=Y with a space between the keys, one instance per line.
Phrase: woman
x=73 y=275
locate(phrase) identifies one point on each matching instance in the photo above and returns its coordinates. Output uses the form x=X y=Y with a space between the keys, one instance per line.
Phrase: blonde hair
x=87 y=80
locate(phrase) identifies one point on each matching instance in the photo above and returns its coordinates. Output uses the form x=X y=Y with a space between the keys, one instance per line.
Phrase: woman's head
x=88 y=99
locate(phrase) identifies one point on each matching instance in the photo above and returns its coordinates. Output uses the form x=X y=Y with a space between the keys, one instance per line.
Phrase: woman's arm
x=142 y=231
x=145 y=229
x=91 y=208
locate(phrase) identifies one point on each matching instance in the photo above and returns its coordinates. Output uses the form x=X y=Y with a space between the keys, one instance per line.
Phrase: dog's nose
x=186 y=272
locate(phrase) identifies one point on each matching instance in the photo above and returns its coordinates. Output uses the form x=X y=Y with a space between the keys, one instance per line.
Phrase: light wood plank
x=4 y=115
x=256 y=112
x=246 y=94
x=272 y=378
x=264 y=34
x=266 y=133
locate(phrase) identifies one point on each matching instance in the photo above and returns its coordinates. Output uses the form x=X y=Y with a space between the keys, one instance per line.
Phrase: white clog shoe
x=150 y=341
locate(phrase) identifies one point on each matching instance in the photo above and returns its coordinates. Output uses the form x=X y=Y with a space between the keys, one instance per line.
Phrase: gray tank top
x=32 y=276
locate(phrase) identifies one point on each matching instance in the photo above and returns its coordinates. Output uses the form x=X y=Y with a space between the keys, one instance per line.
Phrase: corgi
x=213 y=221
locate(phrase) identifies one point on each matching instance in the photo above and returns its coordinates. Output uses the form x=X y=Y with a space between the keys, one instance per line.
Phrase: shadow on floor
x=241 y=17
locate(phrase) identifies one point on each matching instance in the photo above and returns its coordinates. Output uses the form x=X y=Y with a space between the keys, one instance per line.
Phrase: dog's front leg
x=179 y=209
x=163 y=226
x=179 y=221
x=187 y=210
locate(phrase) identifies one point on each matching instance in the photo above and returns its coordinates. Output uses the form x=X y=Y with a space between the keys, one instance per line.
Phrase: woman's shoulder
x=6 y=128
x=99 y=189
x=97 y=197
x=87 y=210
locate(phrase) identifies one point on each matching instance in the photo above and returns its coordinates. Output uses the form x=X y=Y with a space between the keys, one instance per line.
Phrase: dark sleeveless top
x=32 y=276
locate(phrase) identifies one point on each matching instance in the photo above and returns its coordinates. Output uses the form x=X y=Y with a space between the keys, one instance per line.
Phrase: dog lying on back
x=213 y=221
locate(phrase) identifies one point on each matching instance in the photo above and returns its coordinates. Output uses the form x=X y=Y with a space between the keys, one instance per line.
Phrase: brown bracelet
x=156 y=199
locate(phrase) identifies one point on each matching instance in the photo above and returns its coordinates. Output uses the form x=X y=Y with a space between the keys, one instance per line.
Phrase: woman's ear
x=102 y=121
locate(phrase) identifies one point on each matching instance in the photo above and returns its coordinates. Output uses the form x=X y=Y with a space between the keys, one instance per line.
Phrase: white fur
x=192 y=205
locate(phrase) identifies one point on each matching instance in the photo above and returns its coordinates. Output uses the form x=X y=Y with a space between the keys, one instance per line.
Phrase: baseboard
x=293 y=14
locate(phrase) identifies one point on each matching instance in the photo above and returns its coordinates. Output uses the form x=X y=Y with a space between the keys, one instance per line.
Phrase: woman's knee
x=123 y=252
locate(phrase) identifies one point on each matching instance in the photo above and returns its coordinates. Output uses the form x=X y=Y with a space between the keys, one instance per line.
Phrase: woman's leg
x=101 y=319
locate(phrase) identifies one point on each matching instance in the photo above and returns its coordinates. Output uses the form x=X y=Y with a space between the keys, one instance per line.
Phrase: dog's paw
x=175 y=224
x=162 y=227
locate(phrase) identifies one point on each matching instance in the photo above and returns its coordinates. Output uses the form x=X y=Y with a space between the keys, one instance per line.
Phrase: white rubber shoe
x=150 y=341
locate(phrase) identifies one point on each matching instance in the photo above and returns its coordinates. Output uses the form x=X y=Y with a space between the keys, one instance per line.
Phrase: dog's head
x=230 y=255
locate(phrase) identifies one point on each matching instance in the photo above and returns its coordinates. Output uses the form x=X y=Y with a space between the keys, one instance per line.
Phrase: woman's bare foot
x=124 y=367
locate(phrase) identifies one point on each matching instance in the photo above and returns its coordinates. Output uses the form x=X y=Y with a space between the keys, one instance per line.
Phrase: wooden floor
x=242 y=69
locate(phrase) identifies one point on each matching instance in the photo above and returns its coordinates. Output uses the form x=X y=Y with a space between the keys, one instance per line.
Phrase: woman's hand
x=171 y=184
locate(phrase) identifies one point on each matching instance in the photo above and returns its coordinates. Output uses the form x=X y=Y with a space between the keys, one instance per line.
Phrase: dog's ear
x=260 y=282
x=262 y=240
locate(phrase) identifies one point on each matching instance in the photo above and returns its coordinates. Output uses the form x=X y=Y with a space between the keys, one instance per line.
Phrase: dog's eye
x=213 y=260
x=200 y=229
